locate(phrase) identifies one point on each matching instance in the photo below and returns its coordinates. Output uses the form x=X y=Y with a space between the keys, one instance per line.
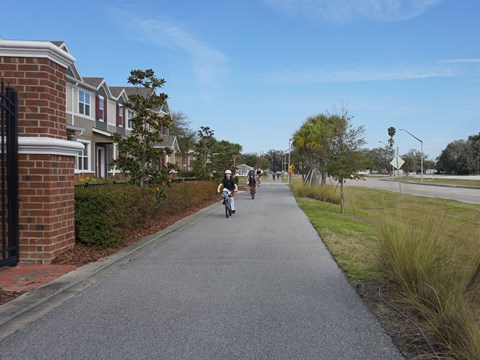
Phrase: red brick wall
x=46 y=192
x=42 y=92
x=47 y=225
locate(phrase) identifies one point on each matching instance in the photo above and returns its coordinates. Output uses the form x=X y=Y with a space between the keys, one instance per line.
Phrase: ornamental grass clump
x=328 y=193
x=431 y=265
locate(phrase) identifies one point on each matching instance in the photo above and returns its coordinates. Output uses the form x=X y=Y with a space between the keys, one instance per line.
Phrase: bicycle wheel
x=227 y=208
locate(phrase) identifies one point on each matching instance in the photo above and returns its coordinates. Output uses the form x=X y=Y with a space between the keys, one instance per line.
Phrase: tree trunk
x=341 y=196
x=324 y=178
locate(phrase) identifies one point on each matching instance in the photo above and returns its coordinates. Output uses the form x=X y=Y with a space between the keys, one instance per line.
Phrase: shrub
x=97 y=217
x=103 y=214
x=182 y=196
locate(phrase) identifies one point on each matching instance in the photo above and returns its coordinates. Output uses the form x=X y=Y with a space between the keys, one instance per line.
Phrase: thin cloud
x=342 y=11
x=207 y=63
x=354 y=75
x=460 y=61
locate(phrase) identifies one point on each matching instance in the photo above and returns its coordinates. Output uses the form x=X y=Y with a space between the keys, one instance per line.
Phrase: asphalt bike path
x=259 y=285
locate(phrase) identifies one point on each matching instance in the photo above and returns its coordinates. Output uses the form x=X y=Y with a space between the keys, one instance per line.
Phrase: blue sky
x=254 y=70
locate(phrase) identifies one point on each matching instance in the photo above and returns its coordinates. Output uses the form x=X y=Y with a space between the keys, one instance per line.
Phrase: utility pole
x=421 y=152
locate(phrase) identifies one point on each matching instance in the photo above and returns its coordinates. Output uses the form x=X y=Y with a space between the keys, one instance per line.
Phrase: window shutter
x=97 y=107
x=105 y=102
x=123 y=116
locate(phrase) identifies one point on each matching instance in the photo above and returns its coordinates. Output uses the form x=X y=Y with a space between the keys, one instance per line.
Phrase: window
x=83 y=103
x=83 y=157
x=120 y=115
x=101 y=108
x=129 y=119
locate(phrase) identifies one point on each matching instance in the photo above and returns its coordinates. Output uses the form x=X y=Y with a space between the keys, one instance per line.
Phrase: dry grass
x=427 y=249
x=328 y=193
x=431 y=261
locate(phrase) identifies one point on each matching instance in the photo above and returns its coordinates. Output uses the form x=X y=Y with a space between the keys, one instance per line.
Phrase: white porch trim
x=48 y=146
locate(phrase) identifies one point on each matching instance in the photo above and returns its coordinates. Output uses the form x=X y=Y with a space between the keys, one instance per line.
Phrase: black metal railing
x=9 y=175
x=100 y=184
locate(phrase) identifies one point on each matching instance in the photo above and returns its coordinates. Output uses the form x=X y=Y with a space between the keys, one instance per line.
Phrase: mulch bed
x=81 y=254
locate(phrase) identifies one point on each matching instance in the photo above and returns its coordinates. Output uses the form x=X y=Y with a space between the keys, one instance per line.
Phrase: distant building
x=243 y=169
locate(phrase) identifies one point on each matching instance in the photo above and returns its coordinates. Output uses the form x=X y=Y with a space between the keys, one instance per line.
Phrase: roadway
x=468 y=195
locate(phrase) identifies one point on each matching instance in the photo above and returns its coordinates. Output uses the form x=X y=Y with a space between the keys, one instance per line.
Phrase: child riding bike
x=229 y=184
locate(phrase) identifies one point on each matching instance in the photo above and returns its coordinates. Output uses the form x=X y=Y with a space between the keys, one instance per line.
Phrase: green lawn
x=427 y=249
x=353 y=238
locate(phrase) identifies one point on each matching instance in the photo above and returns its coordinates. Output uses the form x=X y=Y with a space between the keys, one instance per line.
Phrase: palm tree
x=313 y=141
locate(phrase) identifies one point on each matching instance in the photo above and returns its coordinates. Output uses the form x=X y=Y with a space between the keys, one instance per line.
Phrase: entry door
x=101 y=162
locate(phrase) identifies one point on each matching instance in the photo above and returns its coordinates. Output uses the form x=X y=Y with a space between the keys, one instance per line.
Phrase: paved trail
x=259 y=285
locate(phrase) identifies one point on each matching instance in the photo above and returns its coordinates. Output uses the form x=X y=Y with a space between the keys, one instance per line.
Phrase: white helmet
x=228 y=172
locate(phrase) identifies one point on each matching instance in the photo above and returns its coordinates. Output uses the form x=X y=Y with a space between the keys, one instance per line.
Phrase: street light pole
x=421 y=152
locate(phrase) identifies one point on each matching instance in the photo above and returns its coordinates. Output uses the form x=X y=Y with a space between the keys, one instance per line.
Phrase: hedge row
x=103 y=214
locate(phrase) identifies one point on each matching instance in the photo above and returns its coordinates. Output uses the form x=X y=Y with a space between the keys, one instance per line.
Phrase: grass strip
x=428 y=249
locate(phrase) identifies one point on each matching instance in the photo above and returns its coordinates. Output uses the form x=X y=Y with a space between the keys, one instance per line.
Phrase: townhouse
x=94 y=112
x=64 y=125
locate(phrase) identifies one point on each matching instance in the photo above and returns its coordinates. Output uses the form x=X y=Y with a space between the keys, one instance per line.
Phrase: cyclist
x=228 y=183
x=252 y=182
x=259 y=173
x=251 y=178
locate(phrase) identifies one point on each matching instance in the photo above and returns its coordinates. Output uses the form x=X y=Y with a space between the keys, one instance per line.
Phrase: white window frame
x=87 y=106
x=120 y=115
x=85 y=154
x=130 y=116
x=101 y=109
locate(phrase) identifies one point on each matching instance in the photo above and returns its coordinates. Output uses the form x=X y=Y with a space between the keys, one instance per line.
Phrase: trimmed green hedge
x=103 y=214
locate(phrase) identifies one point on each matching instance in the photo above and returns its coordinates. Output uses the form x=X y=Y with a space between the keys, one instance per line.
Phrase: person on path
x=229 y=184
x=252 y=178
x=259 y=173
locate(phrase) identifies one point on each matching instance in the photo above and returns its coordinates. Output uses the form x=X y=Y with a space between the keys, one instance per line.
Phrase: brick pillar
x=36 y=70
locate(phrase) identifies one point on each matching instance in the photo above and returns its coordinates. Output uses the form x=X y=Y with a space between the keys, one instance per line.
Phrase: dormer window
x=120 y=115
x=101 y=108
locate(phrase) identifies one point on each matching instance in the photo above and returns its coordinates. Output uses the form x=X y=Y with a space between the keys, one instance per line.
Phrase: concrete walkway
x=259 y=285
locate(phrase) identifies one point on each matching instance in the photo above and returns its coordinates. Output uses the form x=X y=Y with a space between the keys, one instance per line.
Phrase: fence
x=9 y=175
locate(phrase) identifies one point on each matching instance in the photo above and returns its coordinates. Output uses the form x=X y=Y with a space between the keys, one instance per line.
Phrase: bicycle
x=253 y=191
x=227 y=197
